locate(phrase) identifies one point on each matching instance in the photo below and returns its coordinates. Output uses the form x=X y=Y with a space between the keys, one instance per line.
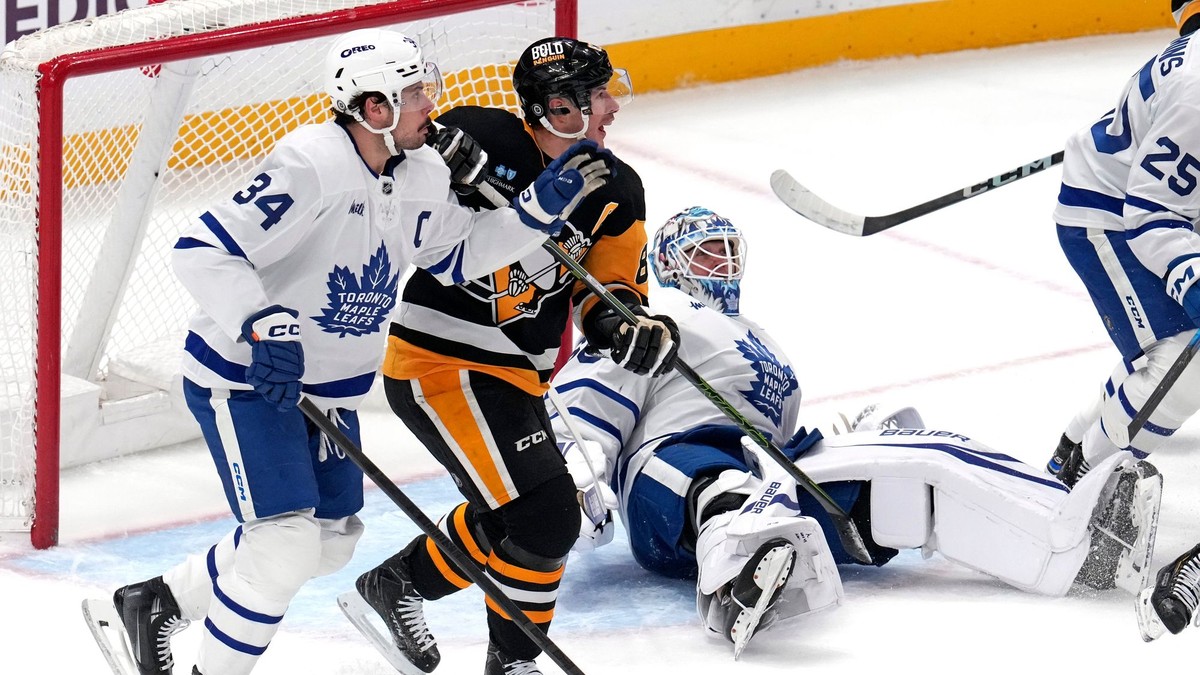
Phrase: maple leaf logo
x=360 y=307
x=773 y=381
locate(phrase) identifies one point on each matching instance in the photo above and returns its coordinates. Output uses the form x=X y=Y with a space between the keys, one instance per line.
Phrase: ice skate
x=134 y=633
x=1170 y=603
x=499 y=663
x=756 y=590
x=388 y=591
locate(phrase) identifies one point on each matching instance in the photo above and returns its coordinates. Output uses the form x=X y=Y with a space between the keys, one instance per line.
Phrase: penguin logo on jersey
x=360 y=306
x=773 y=381
x=517 y=291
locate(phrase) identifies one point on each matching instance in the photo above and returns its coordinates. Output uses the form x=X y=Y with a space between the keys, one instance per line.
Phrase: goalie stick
x=848 y=533
x=805 y=202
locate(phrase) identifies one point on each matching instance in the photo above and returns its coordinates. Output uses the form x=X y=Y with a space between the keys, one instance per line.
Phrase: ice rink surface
x=971 y=314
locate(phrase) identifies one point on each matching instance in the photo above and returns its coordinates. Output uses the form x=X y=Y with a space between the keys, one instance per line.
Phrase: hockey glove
x=277 y=359
x=554 y=194
x=465 y=158
x=596 y=498
x=649 y=346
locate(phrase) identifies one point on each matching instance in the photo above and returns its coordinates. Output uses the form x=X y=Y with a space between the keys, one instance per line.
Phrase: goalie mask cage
x=114 y=131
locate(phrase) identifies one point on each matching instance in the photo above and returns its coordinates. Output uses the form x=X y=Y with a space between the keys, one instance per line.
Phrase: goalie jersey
x=733 y=354
x=315 y=230
x=509 y=323
x=1138 y=167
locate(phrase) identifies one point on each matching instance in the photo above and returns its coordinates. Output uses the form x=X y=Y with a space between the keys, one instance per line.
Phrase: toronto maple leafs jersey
x=629 y=415
x=314 y=229
x=509 y=322
x=1137 y=169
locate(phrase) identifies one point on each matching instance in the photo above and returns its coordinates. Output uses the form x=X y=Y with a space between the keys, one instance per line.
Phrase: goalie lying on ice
x=696 y=502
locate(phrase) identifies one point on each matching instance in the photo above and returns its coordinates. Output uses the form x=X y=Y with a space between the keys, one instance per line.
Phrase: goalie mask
x=560 y=67
x=703 y=255
x=377 y=60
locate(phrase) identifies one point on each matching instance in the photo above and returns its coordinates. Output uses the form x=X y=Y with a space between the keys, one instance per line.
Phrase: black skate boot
x=389 y=590
x=1065 y=447
x=1172 y=601
x=499 y=663
x=1074 y=468
x=755 y=591
x=151 y=616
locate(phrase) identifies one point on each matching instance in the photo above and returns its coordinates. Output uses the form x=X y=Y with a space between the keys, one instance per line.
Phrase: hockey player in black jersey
x=467 y=364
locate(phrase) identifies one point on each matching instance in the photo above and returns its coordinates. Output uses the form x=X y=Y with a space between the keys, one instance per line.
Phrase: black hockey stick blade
x=808 y=204
x=443 y=542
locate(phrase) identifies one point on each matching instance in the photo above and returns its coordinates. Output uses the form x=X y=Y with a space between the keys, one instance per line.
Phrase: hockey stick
x=414 y=513
x=803 y=201
x=851 y=539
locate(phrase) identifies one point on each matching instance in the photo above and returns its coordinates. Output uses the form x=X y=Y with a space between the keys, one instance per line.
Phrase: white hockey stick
x=805 y=202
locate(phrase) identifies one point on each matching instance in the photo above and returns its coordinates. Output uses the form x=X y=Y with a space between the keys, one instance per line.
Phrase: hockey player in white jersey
x=295 y=277
x=1126 y=215
x=688 y=490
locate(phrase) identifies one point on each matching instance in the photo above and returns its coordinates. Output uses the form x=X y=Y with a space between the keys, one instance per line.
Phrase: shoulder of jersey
x=477 y=120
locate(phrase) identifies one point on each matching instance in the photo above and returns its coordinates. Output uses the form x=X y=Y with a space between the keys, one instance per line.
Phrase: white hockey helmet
x=703 y=255
x=377 y=60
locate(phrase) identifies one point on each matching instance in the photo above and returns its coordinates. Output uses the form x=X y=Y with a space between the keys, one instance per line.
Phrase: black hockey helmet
x=559 y=67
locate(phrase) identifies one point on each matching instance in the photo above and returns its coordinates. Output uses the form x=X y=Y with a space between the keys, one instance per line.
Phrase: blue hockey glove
x=277 y=358
x=554 y=194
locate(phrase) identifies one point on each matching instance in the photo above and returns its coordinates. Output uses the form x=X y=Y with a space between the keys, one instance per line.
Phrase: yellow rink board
x=902 y=30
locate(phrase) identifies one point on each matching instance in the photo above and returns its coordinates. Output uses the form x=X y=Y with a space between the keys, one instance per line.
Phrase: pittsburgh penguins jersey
x=629 y=415
x=1137 y=169
x=316 y=231
x=509 y=323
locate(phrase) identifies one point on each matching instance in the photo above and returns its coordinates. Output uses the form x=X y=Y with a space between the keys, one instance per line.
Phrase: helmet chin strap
x=386 y=133
x=570 y=137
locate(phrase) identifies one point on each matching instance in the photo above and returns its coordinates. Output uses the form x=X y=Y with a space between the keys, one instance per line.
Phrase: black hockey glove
x=466 y=160
x=649 y=346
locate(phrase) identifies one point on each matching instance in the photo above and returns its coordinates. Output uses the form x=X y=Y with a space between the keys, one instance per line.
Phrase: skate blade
x=1149 y=624
x=360 y=614
x=110 y=636
x=1133 y=568
x=778 y=565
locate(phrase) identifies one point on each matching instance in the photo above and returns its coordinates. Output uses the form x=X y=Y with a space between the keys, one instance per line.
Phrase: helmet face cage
x=377 y=60
x=702 y=254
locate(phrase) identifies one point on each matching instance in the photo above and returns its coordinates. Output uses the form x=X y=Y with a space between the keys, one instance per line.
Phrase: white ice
x=971 y=314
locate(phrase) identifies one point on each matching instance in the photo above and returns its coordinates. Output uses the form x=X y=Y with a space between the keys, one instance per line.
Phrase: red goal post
x=112 y=131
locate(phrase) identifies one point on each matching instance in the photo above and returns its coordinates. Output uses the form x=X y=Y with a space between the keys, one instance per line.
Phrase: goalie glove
x=646 y=347
x=463 y=156
x=554 y=194
x=587 y=466
x=276 y=356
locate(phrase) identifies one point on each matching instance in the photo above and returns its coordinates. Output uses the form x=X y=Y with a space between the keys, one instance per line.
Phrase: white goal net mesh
x=143 y=150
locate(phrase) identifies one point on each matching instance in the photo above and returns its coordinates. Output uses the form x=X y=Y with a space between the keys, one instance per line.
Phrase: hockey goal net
x=115 y=131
